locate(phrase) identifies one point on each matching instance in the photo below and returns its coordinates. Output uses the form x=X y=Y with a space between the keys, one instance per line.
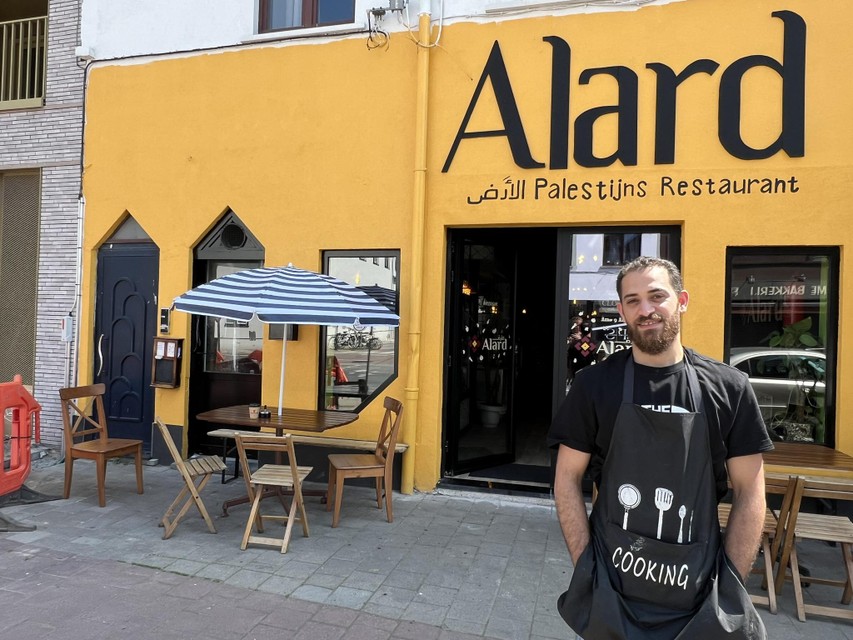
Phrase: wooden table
x=290 y=420
x=796 y=458
x=808 y=461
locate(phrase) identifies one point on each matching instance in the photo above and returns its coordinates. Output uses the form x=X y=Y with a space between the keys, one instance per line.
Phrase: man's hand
x=568 y=497
x=743 y=532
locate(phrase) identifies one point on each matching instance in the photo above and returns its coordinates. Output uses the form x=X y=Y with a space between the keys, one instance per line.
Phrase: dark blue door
x=125 y=326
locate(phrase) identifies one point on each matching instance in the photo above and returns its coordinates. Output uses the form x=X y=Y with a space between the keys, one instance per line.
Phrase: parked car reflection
x=790 y=385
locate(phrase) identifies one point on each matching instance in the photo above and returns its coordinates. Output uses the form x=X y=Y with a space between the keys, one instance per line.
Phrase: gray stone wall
x=48 y=139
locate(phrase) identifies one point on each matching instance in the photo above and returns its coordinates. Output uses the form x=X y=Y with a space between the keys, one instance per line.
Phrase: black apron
x=655 y=567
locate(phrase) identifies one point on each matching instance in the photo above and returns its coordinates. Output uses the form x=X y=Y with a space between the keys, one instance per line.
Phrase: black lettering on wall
x=495 y=71
x=792 y=69
x=626 y=111
x=665 y=104
x=561 y=66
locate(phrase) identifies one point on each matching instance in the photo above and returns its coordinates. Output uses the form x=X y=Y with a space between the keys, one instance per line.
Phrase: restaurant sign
x=791 y=138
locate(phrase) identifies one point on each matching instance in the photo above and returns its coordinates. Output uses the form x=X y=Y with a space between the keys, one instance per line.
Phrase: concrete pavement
x=452 y=565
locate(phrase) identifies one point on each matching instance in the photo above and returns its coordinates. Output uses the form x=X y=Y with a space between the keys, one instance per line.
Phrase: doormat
x=515 y=472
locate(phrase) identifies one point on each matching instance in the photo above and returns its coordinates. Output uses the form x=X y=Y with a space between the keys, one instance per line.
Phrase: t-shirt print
x=665 y=408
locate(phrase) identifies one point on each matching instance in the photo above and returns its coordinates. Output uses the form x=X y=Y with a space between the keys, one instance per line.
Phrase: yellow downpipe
x=411 y=418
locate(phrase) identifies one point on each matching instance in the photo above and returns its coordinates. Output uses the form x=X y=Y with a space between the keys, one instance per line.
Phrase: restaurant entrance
x=499 y=344
x=527 y=309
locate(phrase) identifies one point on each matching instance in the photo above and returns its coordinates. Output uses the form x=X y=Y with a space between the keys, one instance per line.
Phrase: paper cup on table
x=254 y=409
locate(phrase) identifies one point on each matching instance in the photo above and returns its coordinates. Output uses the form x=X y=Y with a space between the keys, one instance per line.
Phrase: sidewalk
x=450 y=566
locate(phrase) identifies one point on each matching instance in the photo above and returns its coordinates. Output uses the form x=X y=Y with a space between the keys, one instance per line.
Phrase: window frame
x=833 y=301
x=310 y=17
x=323 y=333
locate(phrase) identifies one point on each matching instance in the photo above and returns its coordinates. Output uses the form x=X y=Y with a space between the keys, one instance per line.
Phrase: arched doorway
x=226 y=356
x=125 y=326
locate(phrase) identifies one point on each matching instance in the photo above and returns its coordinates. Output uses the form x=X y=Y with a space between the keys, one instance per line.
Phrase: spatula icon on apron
x=663 y=501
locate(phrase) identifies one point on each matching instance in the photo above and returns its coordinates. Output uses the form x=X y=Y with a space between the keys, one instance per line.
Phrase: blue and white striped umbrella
x=285 y=295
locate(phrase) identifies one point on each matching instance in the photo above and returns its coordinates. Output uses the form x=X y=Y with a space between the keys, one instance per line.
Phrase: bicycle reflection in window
x=355 y=339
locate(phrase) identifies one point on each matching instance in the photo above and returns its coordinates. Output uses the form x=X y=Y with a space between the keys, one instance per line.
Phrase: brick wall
x=49 y=139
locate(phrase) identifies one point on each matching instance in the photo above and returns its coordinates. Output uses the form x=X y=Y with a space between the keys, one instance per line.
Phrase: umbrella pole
x=281 y=375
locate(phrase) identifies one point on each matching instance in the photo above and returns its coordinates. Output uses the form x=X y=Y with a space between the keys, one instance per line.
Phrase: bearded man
x=663 y=431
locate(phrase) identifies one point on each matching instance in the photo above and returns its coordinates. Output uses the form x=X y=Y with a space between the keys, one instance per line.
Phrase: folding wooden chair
x=86 y=436
x=825 y=528
x=272 y=477
x=772 y=534
x=195 y=473
x=378 y=465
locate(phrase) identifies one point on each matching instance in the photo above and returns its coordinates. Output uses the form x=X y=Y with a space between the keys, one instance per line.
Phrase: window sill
x=309 y=32
x=29 y=103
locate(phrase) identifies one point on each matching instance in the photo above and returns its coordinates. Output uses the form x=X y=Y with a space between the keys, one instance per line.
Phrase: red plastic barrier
x=19 y=406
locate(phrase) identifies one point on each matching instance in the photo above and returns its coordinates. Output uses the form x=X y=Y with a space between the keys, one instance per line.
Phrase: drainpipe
x=411 y=422
x=74 y=312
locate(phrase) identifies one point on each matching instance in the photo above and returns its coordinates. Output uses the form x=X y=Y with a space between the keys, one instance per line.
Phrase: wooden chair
x=825 y=528
x=378 y=465
x=86 y=436
x=276 y=477
x=195 y=472
x=773 y=532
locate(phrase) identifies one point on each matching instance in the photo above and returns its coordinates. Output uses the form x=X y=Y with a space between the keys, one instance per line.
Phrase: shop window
x=781 y=328
x=277 y=15
x=359 y=362
x=232 y=346
x=621 y=248
x=595 y=329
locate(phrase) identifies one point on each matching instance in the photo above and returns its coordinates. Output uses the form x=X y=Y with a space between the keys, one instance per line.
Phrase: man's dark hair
x=644 y=263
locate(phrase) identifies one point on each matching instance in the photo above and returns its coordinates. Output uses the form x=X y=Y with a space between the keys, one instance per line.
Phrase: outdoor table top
x=808 y=459
x=290 y=420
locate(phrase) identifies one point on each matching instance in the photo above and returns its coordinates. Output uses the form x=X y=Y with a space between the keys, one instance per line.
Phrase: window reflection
x=595 y=328
x=359 y=362
x=233 y=346
x=780 y=329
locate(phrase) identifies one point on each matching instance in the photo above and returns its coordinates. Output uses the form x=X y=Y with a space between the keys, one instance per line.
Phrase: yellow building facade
x=721 y=123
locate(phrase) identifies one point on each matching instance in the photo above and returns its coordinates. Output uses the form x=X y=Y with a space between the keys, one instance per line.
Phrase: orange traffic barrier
x=22 y=413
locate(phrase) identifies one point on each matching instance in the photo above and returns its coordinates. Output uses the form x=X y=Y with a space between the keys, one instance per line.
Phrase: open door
x=481 y=351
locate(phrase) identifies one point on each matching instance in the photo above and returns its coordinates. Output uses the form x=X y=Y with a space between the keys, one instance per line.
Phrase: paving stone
x=430 y=614
x=319 y=631
x=335 y=615
x=416 y=631
x=349 y=597
x=218 y=572
x=508 y=628
x=405 y=579
x=281 y=585
x=311 y=593
x=247 y=579
x=364 y=632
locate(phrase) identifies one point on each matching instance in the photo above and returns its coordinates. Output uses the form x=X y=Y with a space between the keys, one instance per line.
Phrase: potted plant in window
x=803 y=420
x=797 y=335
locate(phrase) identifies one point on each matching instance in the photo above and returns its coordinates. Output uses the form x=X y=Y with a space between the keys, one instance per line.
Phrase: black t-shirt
x=586 y=418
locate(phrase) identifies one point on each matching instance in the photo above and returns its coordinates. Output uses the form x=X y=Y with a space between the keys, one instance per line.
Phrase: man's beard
x=655 y=343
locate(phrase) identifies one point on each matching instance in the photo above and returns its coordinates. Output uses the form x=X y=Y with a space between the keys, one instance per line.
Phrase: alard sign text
x=791 y=139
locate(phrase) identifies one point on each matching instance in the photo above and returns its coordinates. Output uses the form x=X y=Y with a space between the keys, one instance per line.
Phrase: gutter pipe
x=412 y=421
